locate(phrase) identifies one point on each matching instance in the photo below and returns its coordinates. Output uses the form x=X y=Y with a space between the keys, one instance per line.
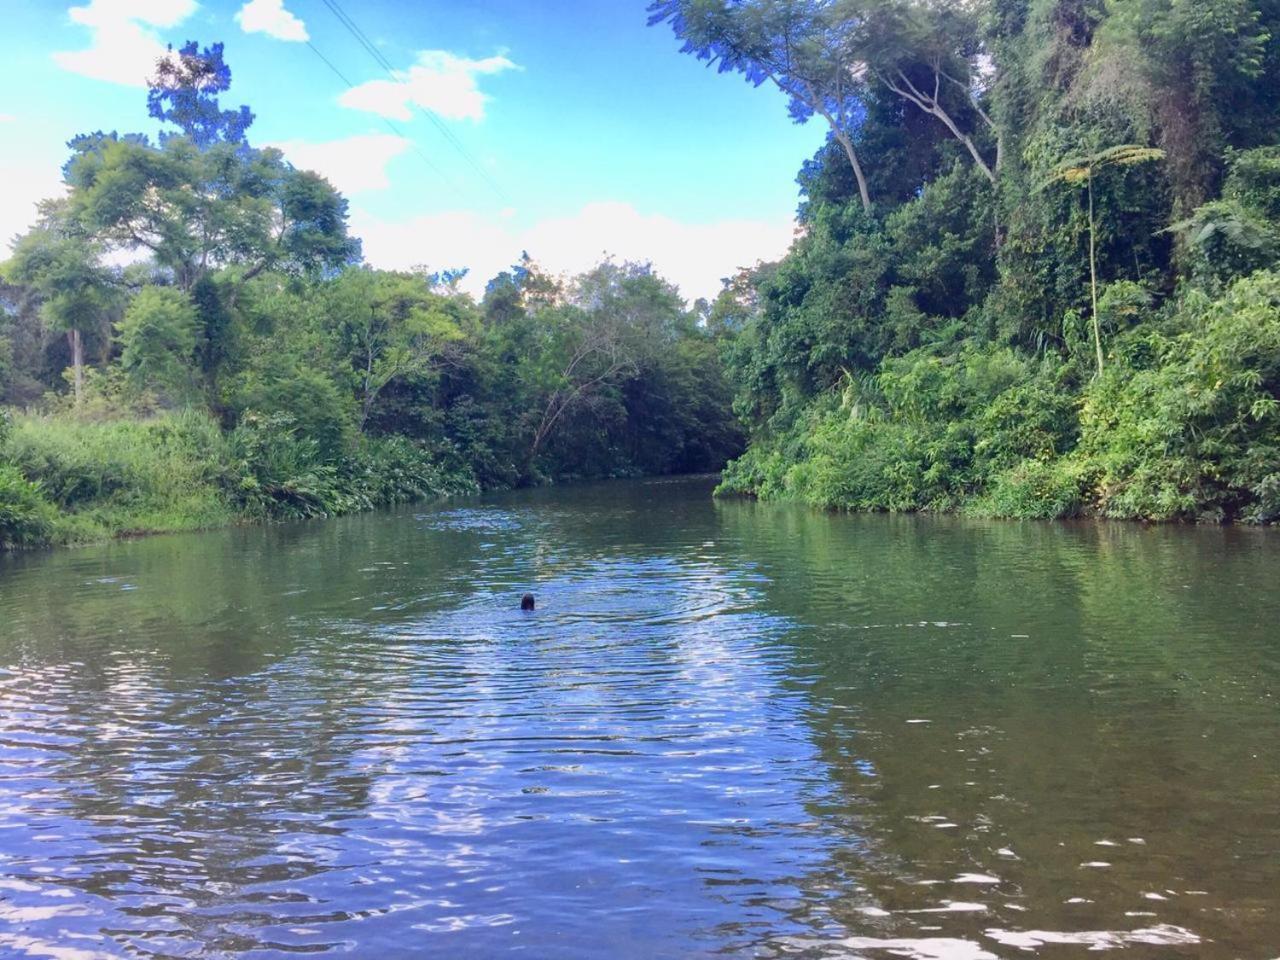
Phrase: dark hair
x=526 y=602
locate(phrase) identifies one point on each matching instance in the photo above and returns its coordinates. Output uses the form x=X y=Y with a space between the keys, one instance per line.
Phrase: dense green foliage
x=1038 y=275
x=1037 y=272
x=247 y=366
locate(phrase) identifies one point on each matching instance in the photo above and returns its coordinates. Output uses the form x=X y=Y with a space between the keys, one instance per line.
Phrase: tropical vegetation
x=189 y=338
x=1038 y=272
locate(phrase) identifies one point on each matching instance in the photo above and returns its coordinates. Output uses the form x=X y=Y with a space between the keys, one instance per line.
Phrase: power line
x=394 y=129
x=362 y=38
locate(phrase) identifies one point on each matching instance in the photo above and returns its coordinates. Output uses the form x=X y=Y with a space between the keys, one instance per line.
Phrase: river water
x=729 y=729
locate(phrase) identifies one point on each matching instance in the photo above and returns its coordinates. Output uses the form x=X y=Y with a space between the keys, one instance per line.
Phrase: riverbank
x=68 y=481
x=1181 y=426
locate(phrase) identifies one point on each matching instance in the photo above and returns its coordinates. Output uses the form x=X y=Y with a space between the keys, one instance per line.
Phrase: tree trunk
x=77 y=362
x=973 y=150
x=837 y=130
x=1093 y=278
x=936 y=109
x=857 y=167
x=549 y=416
x=366 y=402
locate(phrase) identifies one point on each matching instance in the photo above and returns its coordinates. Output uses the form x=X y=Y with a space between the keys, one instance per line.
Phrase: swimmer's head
x=526 y=602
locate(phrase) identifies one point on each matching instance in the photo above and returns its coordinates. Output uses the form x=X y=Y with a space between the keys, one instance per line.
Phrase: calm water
x=729 y=730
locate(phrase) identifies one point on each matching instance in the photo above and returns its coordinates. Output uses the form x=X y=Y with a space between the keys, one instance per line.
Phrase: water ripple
x=723 y=732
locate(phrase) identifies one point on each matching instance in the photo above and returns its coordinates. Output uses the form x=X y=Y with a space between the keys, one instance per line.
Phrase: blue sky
x=599 y=136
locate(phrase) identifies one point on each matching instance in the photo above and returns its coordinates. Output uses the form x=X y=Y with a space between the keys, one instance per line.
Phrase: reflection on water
x=729 y=729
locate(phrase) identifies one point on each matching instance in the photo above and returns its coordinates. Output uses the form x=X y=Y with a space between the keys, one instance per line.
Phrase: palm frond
x=1080 y=169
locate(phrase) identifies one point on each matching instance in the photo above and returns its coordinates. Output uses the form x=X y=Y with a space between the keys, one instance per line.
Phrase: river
x=729 y=729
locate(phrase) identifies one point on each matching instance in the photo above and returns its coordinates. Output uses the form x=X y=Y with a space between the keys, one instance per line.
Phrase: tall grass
x=67 y=479
x=124 y=477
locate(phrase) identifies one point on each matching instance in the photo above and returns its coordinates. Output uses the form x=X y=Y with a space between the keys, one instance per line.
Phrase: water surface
x=729 y=730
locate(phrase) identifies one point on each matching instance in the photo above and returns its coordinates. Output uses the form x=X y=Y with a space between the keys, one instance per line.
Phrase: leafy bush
x=1184 y=425
x=280 y=472
x=158 y=340
x=895 y=466
x=928 y=432
x=1198 y=434
x=1033 y=490
x=1254 y=180
x=108 y=394
x=284 y=391
x=26 y=517
x=1238 y=234
x=397 y=470
x=1037 y=418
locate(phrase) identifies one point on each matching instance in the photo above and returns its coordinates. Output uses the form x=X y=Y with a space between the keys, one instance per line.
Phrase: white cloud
x=24 y=186
x=693 y=256
x=440 y=81
x=7 y=118
x=353 y=165
x=270 y=17
x=124 y=46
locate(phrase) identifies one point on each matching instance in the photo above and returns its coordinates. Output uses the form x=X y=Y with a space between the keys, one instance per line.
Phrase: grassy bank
x=65 y=480
x=1184 y=424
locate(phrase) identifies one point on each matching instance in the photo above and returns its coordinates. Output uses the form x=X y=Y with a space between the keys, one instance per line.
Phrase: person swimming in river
x=527 y=602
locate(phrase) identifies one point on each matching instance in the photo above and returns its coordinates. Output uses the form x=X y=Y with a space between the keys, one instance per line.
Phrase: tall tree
x=809 y=49
x=1209 y=71
x=931 y=55
x=391 y=326
x=1078 y=170
x=203 y=200
x=618 y=315
x=63 y=267
x=158 y=340
x=196 y=210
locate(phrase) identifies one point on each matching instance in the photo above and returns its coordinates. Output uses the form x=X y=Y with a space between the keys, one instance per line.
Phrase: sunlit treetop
x=184 y=92
x=84 y=144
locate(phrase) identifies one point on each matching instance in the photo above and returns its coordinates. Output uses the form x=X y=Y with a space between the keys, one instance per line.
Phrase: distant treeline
x=246 y=365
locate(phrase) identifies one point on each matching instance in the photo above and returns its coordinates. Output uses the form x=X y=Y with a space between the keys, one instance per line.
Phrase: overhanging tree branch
x=901 y=84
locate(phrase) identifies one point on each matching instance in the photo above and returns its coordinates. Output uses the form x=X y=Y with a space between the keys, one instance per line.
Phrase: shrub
x=871 y=465
x=926 y=434
x=397 y=470
x=308 y=400
x=158 y=340
x=1034 y=419
x=1197 y=435
x=1033 y=490
x=1237 y=234
x=279 y=472
x=26 y=517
